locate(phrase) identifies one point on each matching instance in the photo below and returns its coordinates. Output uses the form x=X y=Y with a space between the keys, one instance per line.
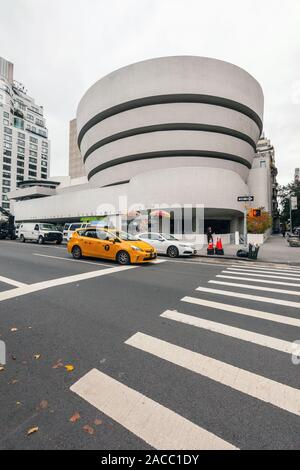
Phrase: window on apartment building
x=6 y=114
x=20 y=178
x=4 y=197
x=44 y=164
x=20 y=171
x=6 y=167
x=263 y=164
x=21 y=157
x=43 y=176
x=32 y=160
x=21 y=136
x=39 y=122
x=6 y=122
x=5 y=183
x=32 y=153
x=8 y=138
x=33 y=146
x=18 y=123
x=7 y=145
x=7 y=130
x=21 y=150
x=7 y=152
x=6 y=160
x=21 y=142
x=32 y=173
x=5 y=190
x=30 y=117
x=44 y=144
x=33 y=140
x=32 y=167
x=21 y=164
x=6 y=175
x=5 y=205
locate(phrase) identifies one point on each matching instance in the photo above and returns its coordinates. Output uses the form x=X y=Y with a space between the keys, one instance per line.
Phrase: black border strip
x=168 y=154
x=170 y=127
x=166 y=99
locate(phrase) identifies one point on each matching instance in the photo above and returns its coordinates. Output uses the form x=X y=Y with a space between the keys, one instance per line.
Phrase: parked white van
x=69 y=229
x=39 y=232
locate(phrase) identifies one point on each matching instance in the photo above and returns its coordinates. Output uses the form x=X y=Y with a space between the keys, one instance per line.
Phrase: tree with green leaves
x=284 y=195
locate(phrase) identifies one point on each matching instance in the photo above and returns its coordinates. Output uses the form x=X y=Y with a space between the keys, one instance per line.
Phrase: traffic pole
x=245 y=225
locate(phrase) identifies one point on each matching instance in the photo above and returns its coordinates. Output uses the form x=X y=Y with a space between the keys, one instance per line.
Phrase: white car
x=167 y=244
x=69 y=229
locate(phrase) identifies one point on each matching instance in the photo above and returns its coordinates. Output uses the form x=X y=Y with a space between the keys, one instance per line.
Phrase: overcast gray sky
x=61 y=47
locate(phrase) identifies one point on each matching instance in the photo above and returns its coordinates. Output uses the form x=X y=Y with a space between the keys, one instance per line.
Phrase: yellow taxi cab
x=102 y=243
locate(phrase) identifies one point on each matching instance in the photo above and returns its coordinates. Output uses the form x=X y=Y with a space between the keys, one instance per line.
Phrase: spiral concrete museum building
x=172 y=130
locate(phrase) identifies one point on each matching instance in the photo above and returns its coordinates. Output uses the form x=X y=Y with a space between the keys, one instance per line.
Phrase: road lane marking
x=262 y=273
x=257 y=386
x=286 y=303
x=155 y=424
x=267 y=276
x=71 y=259
x=29 y=289
x=244 y=311
x=264 y=281
x=233 y=332
x=287 y=270
x=12 y=282
x=247 y=286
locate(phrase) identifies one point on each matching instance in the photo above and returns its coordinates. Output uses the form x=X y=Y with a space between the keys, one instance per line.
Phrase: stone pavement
x=275 y=249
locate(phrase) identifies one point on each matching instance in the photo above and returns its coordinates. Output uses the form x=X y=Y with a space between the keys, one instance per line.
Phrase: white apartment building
x=24 y=144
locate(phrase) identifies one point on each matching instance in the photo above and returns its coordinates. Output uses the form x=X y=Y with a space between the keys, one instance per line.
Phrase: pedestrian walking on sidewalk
x=209 y=235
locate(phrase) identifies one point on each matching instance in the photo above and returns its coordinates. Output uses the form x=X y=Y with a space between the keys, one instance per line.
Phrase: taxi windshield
x=126 y=236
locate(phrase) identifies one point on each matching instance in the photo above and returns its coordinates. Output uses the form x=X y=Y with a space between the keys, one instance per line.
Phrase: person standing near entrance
x=209 y=235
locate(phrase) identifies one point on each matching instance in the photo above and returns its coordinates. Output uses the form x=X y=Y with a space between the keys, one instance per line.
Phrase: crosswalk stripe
x=11 y=282
x=286 y=303
x=247 y=286
x=246 y=271
x=268 y=276
x=264 y=281
x=233 y=332
x=153 y=423
x=291 y=270
x=257 y=386
x=244 y=311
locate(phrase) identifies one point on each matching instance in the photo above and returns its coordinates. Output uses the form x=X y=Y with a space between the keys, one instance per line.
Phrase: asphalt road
x=209 y=375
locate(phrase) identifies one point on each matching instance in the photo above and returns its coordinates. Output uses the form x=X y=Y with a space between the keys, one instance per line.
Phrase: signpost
x=245 y=199
x=293 y=207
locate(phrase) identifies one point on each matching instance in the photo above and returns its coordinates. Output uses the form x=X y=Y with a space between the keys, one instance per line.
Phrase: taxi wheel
x=123 y=257
x=76 y=252
x=173 y=252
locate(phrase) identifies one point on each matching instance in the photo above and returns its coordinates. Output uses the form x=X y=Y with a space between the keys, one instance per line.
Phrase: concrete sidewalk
x=275 y=249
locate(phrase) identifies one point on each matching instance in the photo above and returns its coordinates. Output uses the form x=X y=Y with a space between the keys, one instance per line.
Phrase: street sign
x=245 y=198
x=294 y=203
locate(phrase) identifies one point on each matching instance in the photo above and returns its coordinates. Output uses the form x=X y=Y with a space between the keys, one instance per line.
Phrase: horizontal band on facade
x=170 y=99
x=170 y=127
x=168 y=154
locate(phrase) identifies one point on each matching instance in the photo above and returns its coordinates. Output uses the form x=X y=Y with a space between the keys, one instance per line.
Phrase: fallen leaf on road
x=37 y=356
x=1 y=368
x=75 y=418
x=14 y=329
x=97 y=422
x=32 y=430
x=43 y=405
x=18 y=403
x=69 y=367
x=88 y=429
x=57 y=365
x=14 y=381
x=13 y=358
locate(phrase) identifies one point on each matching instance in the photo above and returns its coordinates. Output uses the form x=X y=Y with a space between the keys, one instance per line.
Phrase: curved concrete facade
x=176 y=129
x=170 y=112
